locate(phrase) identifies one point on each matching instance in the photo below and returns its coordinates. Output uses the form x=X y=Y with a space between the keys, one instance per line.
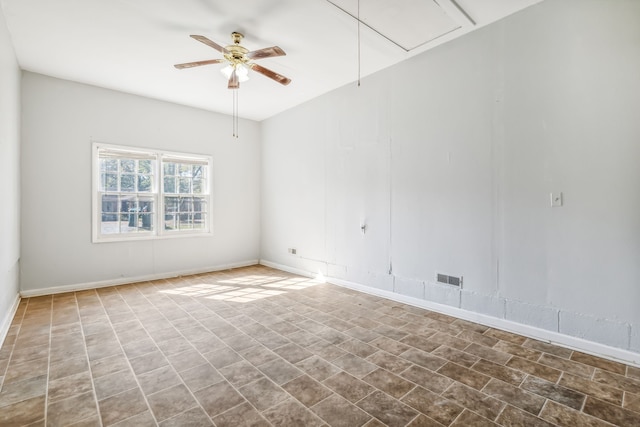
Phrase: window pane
x=171 y=204
x=171 y=213
x=186 y=221
x=169 y=168
x=128 y=204
x=197 y=185
x=108 y=182
x=109 y=203
x=127 y=183
x=137 y=214
x=185 y=185
x=169 y=184
x=109 y=214
x=146 y=212
x=186 y=204
x=170 y=221
x=184 y=170
x=144 y=166
x=145 y=204
x=144 y=183
x=110 y=165
x=127 y=165
x=199 y=221
x=199 y=204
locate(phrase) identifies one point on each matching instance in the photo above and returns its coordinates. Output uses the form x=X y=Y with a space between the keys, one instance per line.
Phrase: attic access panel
x=407 y=23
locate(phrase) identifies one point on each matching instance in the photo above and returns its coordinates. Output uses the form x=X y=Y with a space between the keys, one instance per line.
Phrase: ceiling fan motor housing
x=236 y=53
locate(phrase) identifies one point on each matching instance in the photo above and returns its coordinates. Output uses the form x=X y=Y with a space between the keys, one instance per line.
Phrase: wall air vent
x=449 y=280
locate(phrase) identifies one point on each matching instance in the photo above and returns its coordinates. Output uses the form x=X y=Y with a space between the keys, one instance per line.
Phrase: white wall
x=60 y=120
x=450 y=159
x=9 y=177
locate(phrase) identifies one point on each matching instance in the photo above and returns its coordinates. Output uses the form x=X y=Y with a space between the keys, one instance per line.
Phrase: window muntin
x=133 y=186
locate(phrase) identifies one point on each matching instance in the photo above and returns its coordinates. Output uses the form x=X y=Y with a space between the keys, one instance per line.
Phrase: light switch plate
x=556 y=200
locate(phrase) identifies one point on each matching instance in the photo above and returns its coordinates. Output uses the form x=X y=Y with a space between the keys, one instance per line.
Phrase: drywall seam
x=585 y=346
x=8 y=318
x=134 y=279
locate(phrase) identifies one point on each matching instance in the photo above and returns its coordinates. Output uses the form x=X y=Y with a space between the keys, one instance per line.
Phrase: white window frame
x=157 y=193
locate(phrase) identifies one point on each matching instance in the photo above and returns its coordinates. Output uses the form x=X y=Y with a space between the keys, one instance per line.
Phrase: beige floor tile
x=338 y=412
x=171 y=402
x=389 y=383
x=515 y=417
x=193 y=417
x=432 y=405
x=25 y=371
x=218 y=398
x=280 y=371
x=23 y=412
x=474 y=400
x=121 y=406
x=307 y=390
x=317 y=368
x=71 y=410
x=26 y=389
x=241 y=415
x=427 y=378
x=564 y=416
x=158 y=379
x=143 y=419
x=515 y=396
x=263 y=394
x=115 y=383
x=69 y=386
x=291 y=413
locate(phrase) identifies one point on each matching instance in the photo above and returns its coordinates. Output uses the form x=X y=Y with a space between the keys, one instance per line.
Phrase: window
x=185 y=201
x=143 y=194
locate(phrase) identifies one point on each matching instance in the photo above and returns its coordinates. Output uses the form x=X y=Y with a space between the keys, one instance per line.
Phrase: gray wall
x=59 y=122
x=9 y=176
x=449 y=158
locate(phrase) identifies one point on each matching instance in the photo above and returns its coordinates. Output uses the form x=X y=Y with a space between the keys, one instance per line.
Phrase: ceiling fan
x=239 y=60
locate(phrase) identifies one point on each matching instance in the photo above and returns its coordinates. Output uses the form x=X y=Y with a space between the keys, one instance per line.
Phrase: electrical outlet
x=556 y=200
x=292 y=251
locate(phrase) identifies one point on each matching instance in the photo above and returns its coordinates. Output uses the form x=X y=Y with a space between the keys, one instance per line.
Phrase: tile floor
x=259 y=347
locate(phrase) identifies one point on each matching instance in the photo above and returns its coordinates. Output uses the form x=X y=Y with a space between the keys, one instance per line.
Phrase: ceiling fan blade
x=267 y=52
x=198 y=63
x=209 y=43
x=271 y=74
x=234 y=82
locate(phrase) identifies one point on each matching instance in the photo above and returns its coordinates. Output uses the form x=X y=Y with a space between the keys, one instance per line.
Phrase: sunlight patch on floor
x=245 y=288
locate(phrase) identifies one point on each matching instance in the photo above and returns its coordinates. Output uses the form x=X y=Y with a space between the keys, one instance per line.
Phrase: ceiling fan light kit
x=241 y=71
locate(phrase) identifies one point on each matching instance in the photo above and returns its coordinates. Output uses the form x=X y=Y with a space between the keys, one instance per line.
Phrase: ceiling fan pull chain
x=237 y=108
x=235 y=112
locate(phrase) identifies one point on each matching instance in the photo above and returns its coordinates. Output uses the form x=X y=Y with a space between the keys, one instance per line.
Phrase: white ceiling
x=131 y=45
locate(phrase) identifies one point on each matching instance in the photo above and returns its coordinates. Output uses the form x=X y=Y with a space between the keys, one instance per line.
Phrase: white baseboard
x=125 y=280
x=8 y=318
x=287 y=269
x=585 y=346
